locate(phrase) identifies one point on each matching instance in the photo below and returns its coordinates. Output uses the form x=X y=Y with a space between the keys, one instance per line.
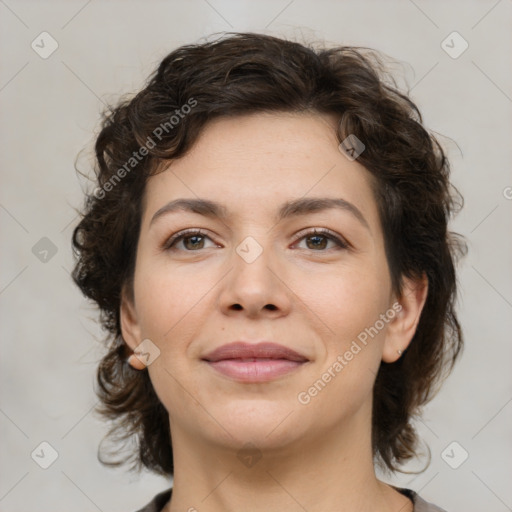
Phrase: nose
x=255 y=288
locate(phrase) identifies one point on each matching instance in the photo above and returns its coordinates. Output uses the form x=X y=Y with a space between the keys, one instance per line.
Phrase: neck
x=330 y=472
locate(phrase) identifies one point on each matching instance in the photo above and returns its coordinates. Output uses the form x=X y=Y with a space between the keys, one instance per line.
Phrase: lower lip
x=255 y=371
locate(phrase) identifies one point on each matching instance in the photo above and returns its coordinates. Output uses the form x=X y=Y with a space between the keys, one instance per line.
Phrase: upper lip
x=262 y=350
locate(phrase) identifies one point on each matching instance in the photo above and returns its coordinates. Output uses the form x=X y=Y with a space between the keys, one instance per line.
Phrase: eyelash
x=340 y=242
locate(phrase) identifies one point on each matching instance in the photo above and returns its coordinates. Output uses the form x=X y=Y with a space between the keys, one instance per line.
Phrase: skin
x=307 y=294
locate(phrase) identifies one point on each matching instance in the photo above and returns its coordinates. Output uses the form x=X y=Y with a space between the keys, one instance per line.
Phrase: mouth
x=261 y=362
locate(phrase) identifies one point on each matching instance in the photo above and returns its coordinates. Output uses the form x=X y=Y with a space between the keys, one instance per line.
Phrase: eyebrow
x=292 y=208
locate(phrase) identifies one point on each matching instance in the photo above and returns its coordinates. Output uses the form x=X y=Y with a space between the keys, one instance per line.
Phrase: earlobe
x=135 y=362
x=402 y=328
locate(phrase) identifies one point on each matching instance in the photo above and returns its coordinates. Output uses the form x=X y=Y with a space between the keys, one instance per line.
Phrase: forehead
x=255 y=163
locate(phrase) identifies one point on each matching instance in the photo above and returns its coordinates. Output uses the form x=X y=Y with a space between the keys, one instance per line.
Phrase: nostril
x=238 y=307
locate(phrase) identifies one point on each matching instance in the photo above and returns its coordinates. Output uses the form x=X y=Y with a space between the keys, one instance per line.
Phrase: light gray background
x=50 y=111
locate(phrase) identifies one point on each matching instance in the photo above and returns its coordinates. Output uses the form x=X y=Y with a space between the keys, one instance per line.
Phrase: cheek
x=347 y=301
x=351 y=307
x=164 y=296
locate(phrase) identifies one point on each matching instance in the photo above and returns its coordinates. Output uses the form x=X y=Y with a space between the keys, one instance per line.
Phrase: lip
x=254 y=362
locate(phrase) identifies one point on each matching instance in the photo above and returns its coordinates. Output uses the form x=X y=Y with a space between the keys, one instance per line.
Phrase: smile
x=261 y=362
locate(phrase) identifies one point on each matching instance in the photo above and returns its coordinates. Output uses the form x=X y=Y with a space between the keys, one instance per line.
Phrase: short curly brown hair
x=242 y=73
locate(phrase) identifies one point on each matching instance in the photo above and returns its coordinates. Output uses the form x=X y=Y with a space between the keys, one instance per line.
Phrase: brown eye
x=318 y=239
x=191 y=240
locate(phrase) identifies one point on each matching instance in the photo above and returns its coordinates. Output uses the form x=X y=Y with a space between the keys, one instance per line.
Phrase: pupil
x=317 y=237
x=195 y=237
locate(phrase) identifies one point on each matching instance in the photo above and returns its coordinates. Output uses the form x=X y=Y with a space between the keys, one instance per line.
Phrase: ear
x=130 y=327
x=402 y=327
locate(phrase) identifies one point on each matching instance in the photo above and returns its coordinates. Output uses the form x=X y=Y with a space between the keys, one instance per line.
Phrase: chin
x=261 y=422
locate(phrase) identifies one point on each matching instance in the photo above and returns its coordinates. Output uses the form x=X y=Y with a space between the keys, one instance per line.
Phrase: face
x=313 y=279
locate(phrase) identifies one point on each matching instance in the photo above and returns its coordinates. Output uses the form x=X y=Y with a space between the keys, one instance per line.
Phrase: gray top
x=420 y=505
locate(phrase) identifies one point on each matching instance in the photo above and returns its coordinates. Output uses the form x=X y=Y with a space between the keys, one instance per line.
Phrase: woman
x=268 y=247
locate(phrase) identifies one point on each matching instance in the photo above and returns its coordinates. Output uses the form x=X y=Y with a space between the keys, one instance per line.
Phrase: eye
x=193 y=239
x=318 y=239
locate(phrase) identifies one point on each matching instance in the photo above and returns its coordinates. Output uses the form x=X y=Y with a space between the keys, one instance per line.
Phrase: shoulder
x=158 y=502
x=420 y=505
